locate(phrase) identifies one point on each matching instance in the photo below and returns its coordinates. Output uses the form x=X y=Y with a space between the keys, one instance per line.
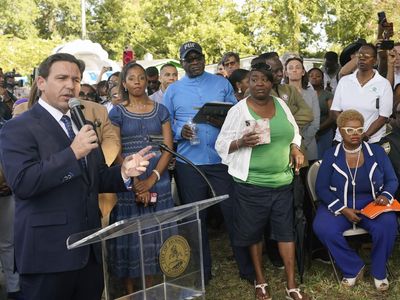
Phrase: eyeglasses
x=87 y=96
x=351 y=130
x=191 y=59
x=364 y=55
x=261 y=66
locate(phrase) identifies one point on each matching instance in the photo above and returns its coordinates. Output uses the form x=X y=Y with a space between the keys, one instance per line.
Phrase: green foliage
x=24 y=54
x=159 y=27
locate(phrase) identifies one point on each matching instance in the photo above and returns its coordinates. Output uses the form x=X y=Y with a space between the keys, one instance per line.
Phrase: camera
x=386 y=44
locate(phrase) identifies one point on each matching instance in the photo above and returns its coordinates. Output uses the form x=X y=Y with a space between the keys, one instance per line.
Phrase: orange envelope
x=372 y=210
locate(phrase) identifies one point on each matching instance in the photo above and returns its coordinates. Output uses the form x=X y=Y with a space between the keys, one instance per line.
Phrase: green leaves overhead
x=159 y=27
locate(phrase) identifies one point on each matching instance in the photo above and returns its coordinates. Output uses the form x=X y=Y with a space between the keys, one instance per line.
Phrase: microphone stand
x=166 y=148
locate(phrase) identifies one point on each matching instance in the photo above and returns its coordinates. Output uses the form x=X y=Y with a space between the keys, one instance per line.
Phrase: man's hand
x=84 y=142
x=351 y=214
x=187 y=132
x=135 y=164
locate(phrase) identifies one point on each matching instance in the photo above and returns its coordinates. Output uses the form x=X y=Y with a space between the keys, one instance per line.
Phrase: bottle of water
x=195 y=139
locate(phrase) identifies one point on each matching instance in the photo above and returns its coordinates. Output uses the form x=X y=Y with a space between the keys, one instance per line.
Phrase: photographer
x=5 y=110
x=8 y=86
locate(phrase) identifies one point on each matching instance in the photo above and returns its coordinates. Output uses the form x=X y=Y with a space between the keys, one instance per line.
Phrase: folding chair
x=355 y=231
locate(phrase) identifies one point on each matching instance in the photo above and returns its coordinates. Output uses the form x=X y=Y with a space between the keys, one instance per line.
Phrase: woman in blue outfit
x=138 y=117
x=353 y=174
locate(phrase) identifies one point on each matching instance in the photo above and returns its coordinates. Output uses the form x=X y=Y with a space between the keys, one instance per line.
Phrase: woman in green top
x=263 y=175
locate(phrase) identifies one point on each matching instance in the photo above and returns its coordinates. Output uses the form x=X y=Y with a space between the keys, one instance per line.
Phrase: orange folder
x=372 y=210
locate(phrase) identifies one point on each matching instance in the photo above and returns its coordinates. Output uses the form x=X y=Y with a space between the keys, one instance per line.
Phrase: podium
x=178 y=260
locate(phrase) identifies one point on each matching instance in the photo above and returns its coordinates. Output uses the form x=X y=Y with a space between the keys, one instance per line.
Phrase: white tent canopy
x=94 y=56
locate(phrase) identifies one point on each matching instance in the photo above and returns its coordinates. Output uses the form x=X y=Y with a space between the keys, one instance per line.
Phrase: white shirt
x=351 y=95
x=333 y=81
x=396 y=78
x=238 y=162
x=157 y=96
x=56 y=114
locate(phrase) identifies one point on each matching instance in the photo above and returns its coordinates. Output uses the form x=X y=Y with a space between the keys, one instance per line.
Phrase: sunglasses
x=230 y=63
x=87 y=96
x=191 y=59
x=364 y=55
x=351 y=130
x=152 y=81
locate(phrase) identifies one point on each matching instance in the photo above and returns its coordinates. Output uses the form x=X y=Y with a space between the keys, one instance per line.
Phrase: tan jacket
x=108 y=134
x=300 y=110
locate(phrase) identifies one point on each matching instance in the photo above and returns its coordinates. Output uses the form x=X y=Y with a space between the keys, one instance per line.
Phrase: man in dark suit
x=56 y=183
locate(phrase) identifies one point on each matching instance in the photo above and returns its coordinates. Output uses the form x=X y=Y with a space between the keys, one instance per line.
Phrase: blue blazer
x=54 y=196
x=332 y=180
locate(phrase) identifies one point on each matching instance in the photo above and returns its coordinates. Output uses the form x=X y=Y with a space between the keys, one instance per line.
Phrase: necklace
x=352 y=151
x=365 y=81
x=353 y=178
x=140 y=106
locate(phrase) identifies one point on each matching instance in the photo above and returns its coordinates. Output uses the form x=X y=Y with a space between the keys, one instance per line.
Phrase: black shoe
x=322 y=256
x=278 y=264
x=15 y=296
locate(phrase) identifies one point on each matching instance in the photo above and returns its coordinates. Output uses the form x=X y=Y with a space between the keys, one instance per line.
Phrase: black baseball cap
x=189 y=46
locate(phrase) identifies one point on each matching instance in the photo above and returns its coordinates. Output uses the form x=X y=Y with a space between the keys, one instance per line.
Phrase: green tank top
x=269 y=163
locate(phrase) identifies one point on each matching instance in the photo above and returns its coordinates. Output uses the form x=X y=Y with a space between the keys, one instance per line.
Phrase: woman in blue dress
x=138 y=117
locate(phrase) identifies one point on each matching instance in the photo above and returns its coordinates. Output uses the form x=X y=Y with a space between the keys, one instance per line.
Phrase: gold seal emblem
x=174 y=256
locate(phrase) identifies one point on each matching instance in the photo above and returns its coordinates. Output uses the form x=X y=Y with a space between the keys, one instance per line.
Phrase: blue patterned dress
x=123 y=252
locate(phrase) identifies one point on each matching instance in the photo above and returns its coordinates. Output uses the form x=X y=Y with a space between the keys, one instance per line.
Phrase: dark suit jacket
x=55 y=197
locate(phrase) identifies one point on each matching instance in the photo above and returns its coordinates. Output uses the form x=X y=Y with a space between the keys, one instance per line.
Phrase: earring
x=125 y=89
x=240 y=91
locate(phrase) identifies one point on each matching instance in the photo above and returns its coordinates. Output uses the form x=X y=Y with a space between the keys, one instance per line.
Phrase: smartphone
x=381 y=17
x=127 y=55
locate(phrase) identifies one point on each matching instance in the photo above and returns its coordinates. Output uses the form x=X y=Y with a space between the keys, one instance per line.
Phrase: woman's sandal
x=265 y=295
x=381 y=285
x=299 y=294
x=350 y=282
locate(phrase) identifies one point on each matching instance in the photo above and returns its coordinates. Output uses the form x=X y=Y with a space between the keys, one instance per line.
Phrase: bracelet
x=157 y=174
x=293 y=145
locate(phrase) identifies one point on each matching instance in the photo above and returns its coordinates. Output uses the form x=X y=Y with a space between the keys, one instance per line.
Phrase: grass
x=319 y=279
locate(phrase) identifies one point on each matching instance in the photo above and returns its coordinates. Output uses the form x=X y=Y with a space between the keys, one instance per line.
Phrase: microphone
x=76 y=112
x=158 y=139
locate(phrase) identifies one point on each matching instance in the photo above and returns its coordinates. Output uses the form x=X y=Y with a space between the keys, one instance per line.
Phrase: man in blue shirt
x=183 y=98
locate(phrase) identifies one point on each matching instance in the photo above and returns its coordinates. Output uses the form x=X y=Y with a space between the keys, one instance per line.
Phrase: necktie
x=68 y=124
x=71 y=134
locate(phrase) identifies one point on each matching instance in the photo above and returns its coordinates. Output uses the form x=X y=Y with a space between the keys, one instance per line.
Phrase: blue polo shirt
x=183 y=99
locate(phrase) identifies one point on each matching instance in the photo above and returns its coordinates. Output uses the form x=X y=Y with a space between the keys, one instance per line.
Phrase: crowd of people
x=283 y=118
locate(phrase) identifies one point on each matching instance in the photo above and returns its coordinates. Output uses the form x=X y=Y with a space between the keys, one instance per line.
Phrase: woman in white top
x=367 y=92
x=296 y=76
